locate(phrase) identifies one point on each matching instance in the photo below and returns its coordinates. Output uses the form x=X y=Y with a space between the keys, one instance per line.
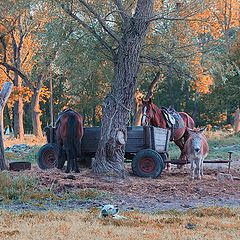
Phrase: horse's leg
x=74 y=163
x=180 y=144
x=77 y=154
x=68 y=160
x=76 y=169
x=61 y=160
x=168 y=167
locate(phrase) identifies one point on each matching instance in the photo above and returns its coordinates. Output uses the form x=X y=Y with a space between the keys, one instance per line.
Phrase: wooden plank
x=138 y=138
x=147 y=137
x=161 y=139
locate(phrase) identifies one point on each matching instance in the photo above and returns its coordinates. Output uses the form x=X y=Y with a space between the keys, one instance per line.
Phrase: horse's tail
x=74 y=142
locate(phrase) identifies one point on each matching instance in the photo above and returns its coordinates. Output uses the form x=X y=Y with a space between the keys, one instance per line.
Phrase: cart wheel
x=147 y=163
x=47 y=156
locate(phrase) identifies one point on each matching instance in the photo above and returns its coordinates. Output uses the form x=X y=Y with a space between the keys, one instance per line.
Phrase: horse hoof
x=67 y=171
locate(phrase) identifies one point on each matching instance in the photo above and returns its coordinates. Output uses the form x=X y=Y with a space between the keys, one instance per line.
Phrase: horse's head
x=147 y=112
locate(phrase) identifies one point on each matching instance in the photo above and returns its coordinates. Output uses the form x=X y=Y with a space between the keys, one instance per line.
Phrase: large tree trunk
x=36 y=114
x=4 y=94
x=111 y=149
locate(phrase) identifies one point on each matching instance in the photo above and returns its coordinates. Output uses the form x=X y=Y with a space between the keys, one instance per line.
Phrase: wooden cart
x=147 y=148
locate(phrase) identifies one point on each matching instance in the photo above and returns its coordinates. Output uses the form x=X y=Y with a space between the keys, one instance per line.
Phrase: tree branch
x=153 y=85
x=89 y=29
x=120 y=7
x=7 y=74
x=100 y=20
x=19 y=73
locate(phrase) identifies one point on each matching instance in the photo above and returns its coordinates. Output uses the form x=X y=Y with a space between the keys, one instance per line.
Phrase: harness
x=61 y=113
x=144 y=116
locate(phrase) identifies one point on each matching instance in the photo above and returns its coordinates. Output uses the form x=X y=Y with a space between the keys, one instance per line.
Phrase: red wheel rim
x=49 y=158
x=147 y=165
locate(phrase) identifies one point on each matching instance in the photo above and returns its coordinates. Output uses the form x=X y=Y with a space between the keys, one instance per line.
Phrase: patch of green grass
x=28 y=156
x=16 y=187
x=27 y=189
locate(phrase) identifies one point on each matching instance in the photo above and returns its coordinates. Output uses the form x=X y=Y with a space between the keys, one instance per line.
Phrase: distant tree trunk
x=187 y=98
x=237 y=120
x=18 y=119
x=170 y=86
x=196 y=108
x=94 y=116
x=228 y=117
x=7 y=121
x=4 y=95
x=111 y=149
x=18 y=106
x=36 y=114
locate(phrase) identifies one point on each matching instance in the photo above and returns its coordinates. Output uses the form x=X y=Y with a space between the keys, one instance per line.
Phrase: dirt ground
x=173 y=190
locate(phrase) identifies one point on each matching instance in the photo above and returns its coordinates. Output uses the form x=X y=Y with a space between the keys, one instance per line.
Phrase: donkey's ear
x=190 y=131
x=202 y=129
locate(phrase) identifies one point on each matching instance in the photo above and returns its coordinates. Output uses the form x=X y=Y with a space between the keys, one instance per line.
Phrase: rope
x=119 y=103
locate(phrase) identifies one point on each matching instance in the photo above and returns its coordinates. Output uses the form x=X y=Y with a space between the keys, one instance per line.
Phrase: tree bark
x=36 y=114
x=237 y=120
x=111 y=149
x=4 y=95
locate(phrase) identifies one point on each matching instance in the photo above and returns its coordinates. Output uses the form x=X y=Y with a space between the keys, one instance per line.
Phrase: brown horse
x=152 y=115
x=69 y=133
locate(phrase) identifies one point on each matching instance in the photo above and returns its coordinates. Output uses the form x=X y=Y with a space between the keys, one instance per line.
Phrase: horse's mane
x=156 y=108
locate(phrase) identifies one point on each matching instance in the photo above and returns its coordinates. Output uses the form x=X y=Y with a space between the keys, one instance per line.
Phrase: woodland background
x=195 y=46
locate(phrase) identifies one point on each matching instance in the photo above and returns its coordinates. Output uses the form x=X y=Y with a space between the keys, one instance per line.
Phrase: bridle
x=144 y=117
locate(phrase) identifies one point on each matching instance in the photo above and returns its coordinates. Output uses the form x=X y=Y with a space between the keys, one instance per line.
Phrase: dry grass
x=200 y=224
x=28 y=139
